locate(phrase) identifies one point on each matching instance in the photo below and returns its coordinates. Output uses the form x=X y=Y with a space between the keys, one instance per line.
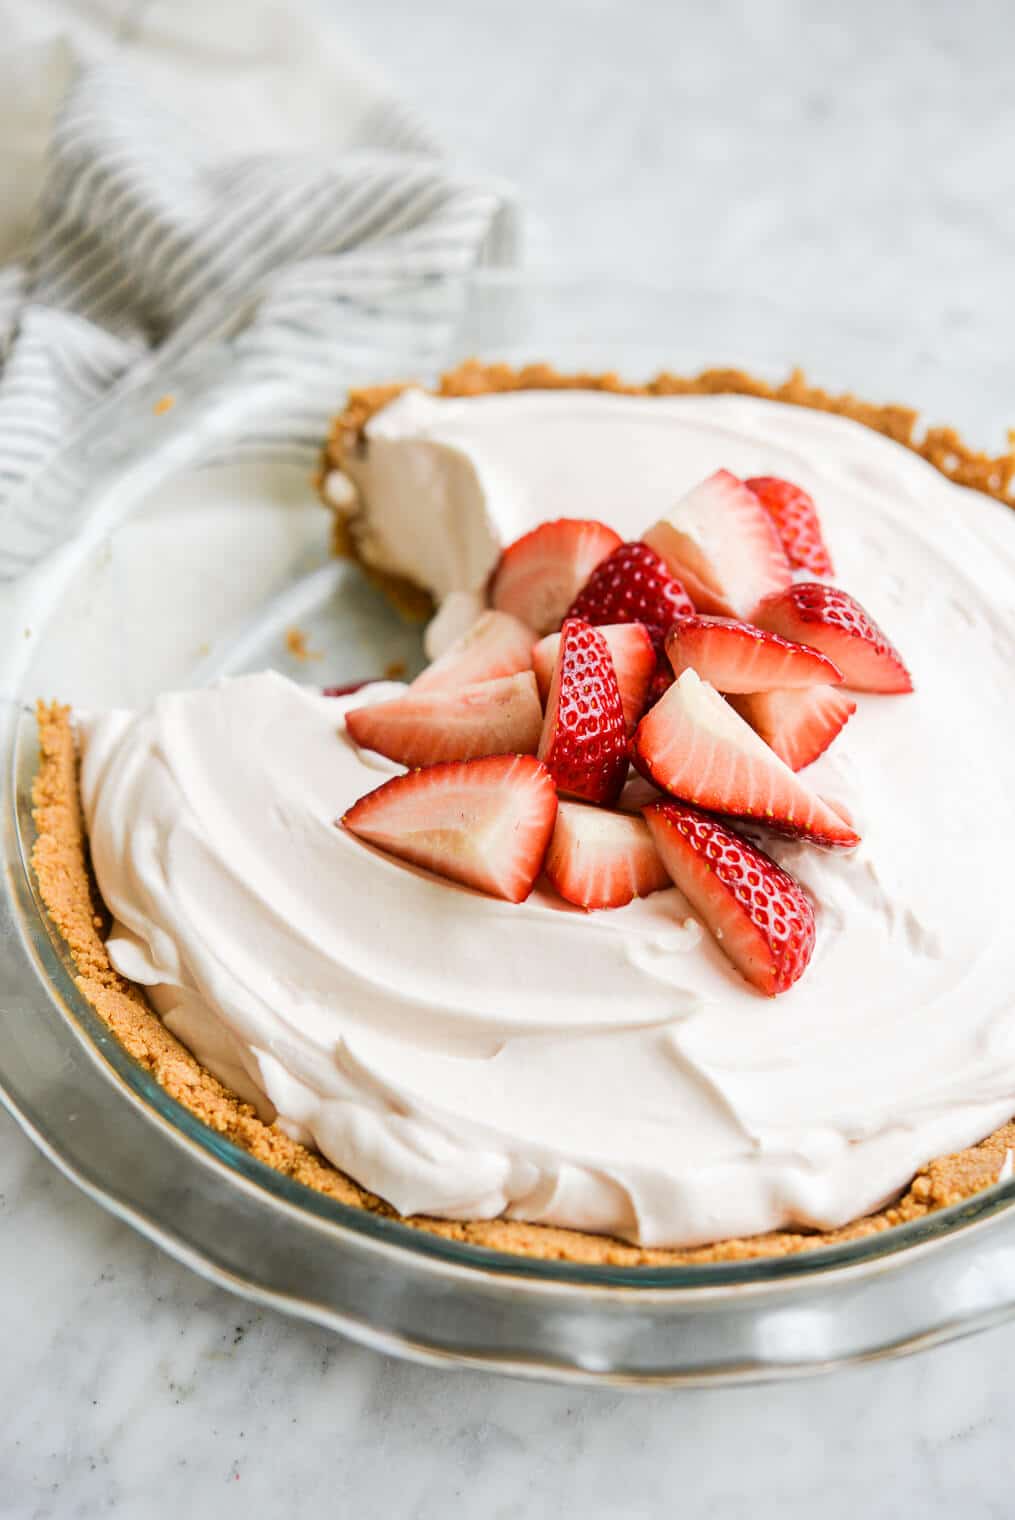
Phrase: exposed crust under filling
x=68 y=889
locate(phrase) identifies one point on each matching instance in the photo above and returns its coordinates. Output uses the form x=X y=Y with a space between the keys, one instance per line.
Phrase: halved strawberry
x=485 y=823
x=634 y=663
x=599 y=859
x=798 y=725
x=796 y=520
x=693 y=745
x=833 y=622
x=501 y=717
x=723 y=545
x=347 y=691
x=496 y=645
x=737 y=657
x=584 y=742
x=540 y=574
x=633 y=585
x=755 y=909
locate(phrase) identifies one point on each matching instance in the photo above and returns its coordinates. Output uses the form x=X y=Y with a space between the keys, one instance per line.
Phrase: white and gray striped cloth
x=145 y=236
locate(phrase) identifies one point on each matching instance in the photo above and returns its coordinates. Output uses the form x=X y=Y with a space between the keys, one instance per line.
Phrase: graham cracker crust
x=67 y=887
x=993 y=475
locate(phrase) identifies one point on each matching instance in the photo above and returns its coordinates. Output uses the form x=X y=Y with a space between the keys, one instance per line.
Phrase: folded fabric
x=150 y=218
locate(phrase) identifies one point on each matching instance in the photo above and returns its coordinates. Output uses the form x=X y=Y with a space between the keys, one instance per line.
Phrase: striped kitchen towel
x=163 y=204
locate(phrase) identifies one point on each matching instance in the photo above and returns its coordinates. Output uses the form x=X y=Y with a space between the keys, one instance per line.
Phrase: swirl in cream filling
x=611 y=1072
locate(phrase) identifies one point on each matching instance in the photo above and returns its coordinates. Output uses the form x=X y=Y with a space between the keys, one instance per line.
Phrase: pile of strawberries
x=694 y=656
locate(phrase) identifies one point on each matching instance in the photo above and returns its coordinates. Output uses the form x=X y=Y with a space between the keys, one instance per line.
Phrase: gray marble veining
x=130 y=1386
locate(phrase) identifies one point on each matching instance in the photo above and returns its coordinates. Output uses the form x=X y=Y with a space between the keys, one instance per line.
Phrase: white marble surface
x=776 y=149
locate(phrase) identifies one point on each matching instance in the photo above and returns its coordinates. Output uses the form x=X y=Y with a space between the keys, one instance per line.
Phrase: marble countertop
x=777 y=149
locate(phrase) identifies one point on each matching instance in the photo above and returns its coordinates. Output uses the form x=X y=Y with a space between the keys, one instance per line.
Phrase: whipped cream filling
x=611 y=1071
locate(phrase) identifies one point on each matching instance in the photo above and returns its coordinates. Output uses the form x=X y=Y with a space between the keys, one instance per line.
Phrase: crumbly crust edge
x=67 y=886
x=994 y=475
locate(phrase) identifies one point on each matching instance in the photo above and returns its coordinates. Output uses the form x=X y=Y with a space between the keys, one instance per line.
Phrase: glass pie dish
x=188 y=544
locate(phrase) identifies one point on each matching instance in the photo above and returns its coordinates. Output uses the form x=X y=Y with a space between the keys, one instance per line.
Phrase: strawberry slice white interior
x=601 y=859
x=610 y=1071
x=497 y=644
x=739 y=658
x=694 y=745
x=799 y=725
x=500 y=717
x=485 y=823
x=723 y=545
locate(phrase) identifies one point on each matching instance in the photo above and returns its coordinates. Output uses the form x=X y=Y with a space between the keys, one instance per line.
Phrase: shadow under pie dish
x=750 y=436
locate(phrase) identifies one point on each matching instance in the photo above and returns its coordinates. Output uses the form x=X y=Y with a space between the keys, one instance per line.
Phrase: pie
x=439 y=953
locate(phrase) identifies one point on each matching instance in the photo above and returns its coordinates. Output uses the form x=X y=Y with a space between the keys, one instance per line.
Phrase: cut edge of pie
x=942 y=447
x=67 y=886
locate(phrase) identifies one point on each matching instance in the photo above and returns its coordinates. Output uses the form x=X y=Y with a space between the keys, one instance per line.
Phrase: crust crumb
x=67 y=887
x=296 y=644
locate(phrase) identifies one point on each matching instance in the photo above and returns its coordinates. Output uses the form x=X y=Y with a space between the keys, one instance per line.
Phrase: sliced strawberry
x=693 y=745
x=755 y=909
x=723 y=545
x=485 y=823
x=540 y=574
x=584 y=743
x=496 y=645
x=599 y=859
x=796 y=520
x=737 y=657
x=634 y=663
x=798 y=725
x=830 y=620
x=633 y=585
x=422 y=728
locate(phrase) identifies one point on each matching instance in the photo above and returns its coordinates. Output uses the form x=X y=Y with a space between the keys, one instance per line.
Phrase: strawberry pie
x=658 y=918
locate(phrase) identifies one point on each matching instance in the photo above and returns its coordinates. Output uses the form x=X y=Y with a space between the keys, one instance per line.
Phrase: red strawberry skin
x=757 y=912
x=633 y=585
x=798 y=725
x=831 y=621
x=599 y=859
x=540 y=574
x=796 y=520
x=500 y=717
x=737 y=657
x=634 y=663
x=584 y=738
x=485 y=823
x=347 y=691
